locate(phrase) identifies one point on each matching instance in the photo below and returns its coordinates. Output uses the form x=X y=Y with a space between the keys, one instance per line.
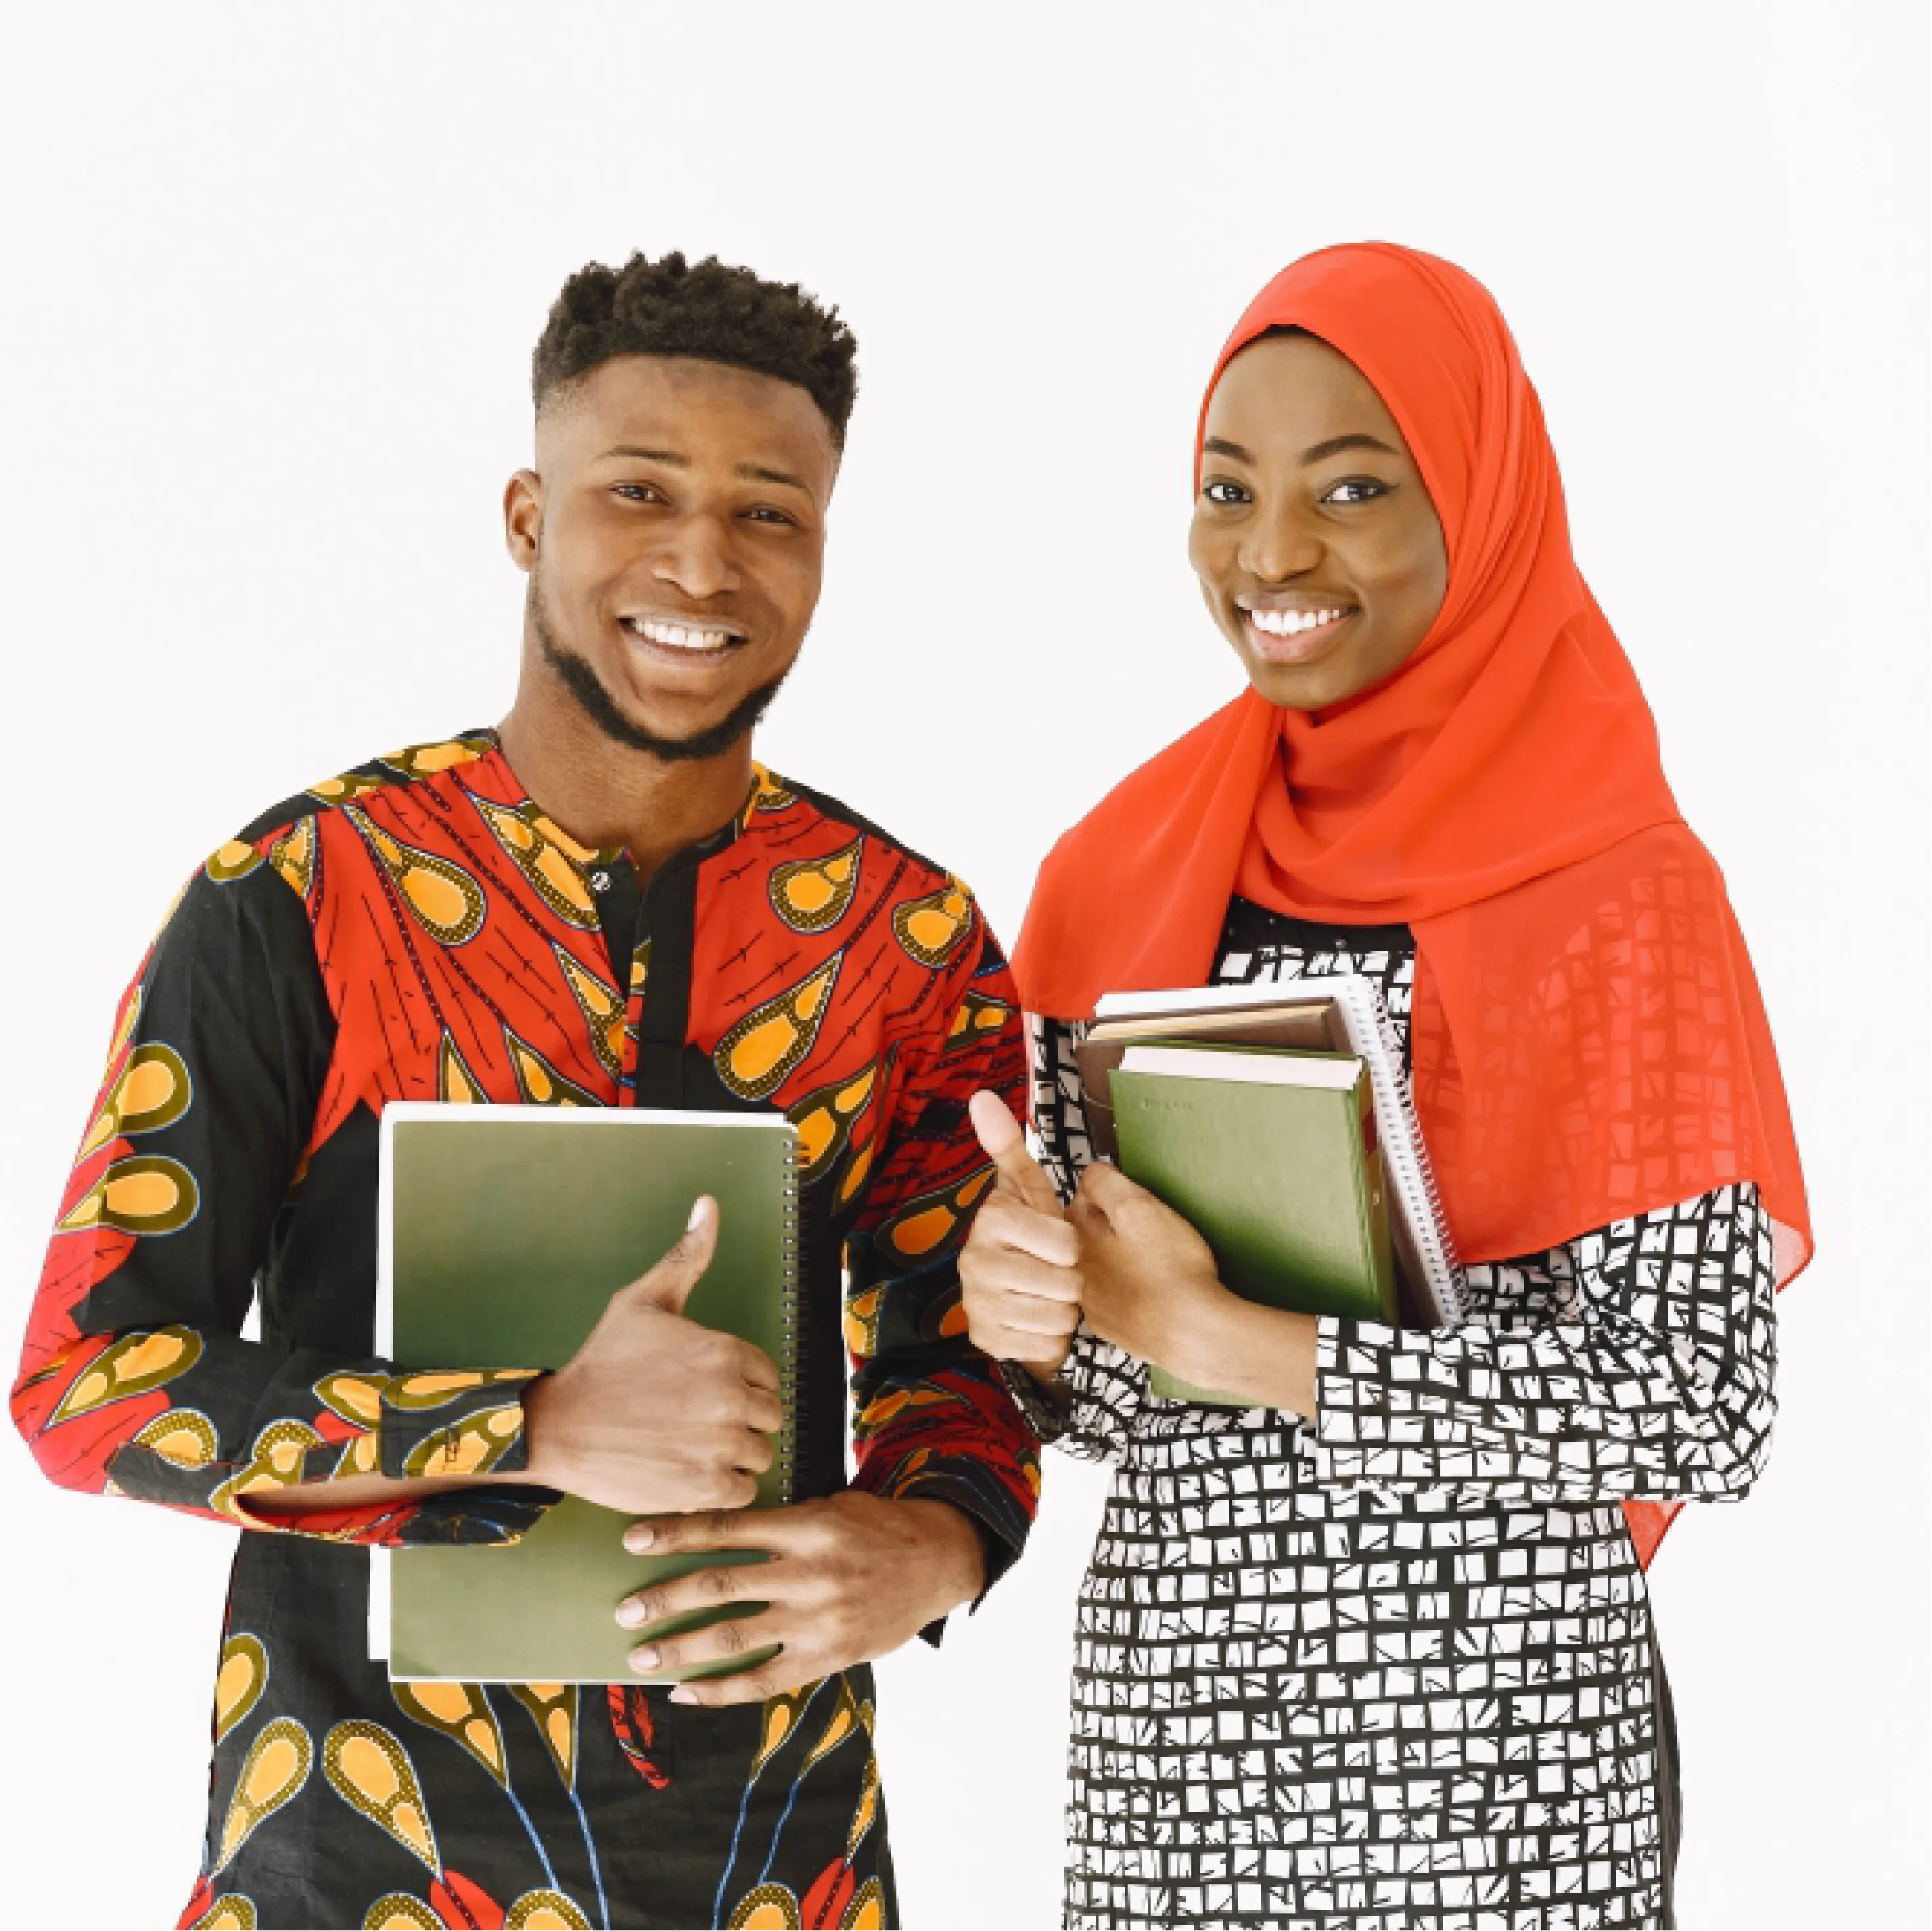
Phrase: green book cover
x=504 y=1231
x=1280 y=1176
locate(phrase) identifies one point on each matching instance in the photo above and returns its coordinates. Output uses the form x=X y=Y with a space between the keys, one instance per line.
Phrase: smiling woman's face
x=1317 y=549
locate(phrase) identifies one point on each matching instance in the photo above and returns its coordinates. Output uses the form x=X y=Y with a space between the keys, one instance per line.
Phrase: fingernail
x=683 y=1695
x=696 y=1215
x=640 y=1538
x=645 y=1659
x=630 y=1614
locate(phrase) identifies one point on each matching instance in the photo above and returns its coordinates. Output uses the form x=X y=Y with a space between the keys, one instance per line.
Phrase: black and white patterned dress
x=1396 y=1667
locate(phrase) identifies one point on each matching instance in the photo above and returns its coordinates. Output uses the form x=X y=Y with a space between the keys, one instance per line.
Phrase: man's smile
x=682 y=640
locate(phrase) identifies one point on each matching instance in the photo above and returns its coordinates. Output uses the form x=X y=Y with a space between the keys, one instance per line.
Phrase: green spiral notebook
x=1271 y=1155
x=504 y=1231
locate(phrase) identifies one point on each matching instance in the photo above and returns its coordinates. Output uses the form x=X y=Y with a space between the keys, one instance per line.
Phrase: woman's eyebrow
x=1219 y=445
x=1321 y=451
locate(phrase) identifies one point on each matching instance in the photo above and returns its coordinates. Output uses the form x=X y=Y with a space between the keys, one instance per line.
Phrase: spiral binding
x=789 y=1335
x=1406 y=1150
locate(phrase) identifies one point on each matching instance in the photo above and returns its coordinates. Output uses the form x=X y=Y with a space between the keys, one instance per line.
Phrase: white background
x=274 y=274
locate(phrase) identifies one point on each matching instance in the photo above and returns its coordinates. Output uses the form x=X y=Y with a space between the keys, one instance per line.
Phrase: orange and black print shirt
x=418 y=929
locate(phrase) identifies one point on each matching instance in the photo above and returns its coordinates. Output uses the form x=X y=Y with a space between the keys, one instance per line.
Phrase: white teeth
x=678 y=636
x=1292 y=623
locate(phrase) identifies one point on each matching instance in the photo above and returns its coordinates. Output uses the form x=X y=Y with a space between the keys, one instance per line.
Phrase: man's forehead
x=685 y=406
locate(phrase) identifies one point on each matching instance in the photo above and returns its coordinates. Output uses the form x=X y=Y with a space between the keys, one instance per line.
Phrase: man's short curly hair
x=670 y=306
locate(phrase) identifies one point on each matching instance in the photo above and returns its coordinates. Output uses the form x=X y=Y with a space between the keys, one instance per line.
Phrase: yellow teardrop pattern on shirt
x=553 y=1708
x=862 y=1322
x=232 y=1911
x=357 y=1399
x=371 y=1771
x=276 y=1767
x=867 y=1911
x=279 y=1455
x=862 y=1816
x=924 y=1227
x=544 y=1911
x=234 y=860
x=783 y=1714
x=456 y=1085
x=444 y=899
x=183 y=1437
x=551 y=862
x=769 y=1907
x=137 y=1364
x=844 y=1722
x=602 y=1008
x=760 y=1052
x=293 y=855
x=238 y=1683
x=978 y=1018
x=477 y=1442
x=433 y=1388
x=538 y=1082
x=932 y=928
x=154 y=1091
x=825 y=1117
x=768 y=792
x=349 y=786
x=397 y=1911
x=812 y=895
x=459 y=1711
x=425 y=761
x=144 y=1194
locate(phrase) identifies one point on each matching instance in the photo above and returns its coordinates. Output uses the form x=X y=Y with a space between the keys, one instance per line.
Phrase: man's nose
x=695 y=557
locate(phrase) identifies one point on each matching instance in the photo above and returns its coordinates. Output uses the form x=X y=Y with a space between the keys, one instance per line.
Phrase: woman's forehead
x=1296 y=389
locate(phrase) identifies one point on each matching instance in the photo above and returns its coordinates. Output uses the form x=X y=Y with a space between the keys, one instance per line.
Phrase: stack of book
x=1277 y=1119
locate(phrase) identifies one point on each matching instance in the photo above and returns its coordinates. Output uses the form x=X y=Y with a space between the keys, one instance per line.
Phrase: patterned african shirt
x=418 y=929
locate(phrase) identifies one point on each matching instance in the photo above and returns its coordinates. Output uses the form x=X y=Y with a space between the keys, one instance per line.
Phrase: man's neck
x=603 y=793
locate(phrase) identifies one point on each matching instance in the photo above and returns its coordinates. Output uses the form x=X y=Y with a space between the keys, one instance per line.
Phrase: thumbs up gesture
x=654 y=1415
x=1019 y=1269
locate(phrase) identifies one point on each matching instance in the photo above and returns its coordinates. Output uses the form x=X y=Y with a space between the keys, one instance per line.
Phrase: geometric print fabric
x=1396 y=1668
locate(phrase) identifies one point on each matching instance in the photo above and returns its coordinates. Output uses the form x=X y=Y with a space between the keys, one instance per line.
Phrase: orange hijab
x=1588 y=1038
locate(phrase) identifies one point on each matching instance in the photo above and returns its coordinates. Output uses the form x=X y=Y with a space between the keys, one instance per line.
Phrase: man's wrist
x=960 y=1567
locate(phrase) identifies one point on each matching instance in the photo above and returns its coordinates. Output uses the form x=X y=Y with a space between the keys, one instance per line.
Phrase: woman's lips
x=1314 y=635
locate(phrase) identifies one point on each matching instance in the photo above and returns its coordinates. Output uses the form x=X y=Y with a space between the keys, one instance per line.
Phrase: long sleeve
x=1636 y=1361
x=135 y=1379
x=934 y=1417
x=1089 y=1407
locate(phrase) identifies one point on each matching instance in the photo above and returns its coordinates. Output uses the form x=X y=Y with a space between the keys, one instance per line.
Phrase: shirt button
x=600 y=881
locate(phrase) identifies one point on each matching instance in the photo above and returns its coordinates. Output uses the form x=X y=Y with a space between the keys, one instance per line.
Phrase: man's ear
x=522 y=517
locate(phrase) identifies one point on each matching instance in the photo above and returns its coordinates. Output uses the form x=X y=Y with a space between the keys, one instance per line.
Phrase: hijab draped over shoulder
x=1587 y=1038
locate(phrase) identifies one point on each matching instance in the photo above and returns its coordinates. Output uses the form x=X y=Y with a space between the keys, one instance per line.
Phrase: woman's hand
x=1149 y=1284
x=1019 y=1274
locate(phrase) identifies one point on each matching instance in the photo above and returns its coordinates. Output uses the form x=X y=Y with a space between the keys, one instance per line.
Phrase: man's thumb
x=1005 y=1146
x=669 y=1284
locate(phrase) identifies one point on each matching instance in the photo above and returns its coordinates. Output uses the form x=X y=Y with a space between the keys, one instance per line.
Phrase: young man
x=605 y=903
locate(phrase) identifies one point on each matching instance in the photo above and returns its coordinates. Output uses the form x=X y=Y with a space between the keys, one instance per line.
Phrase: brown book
x=1311 y=1025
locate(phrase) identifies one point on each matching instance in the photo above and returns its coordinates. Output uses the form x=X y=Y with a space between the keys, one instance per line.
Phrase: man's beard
x=598 y=705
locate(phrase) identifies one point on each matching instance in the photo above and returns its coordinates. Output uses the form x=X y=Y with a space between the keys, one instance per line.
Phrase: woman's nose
x=1278 y=545
x=695 y=557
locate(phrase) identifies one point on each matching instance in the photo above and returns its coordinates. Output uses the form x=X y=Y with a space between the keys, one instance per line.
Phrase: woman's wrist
x=1240 y=1347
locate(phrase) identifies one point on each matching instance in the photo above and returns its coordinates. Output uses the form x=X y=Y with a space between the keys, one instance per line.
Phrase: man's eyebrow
x=783 y=478
x=632 y=449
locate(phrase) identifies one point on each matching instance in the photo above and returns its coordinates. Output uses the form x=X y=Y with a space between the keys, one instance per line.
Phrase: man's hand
x=1151 y=1286
x=1019 y=1276
x=849 y=1579
x=653 y=1412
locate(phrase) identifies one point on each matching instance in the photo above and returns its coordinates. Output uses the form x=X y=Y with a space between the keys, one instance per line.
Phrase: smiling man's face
x=674 y=532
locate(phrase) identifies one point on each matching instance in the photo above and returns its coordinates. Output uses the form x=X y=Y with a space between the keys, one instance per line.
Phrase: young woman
x=1376 y=1651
